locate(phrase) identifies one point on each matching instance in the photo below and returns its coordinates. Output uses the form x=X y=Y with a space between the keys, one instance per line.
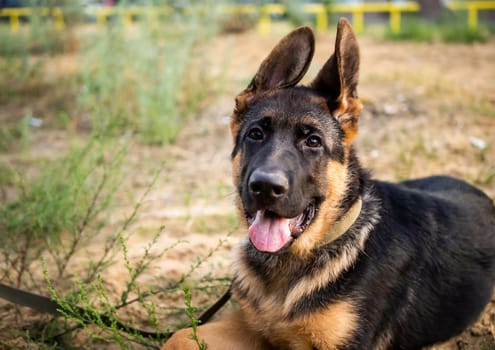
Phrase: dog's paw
x=181 y=340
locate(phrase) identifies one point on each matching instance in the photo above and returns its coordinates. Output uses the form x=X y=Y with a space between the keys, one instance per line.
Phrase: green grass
x=148 y=81
x=28 y=93
x=131 y=85
x=56 y=210
x=17 y=132
x=12 y=44
x=39 y=38
x=449 y=30
x=190 y=311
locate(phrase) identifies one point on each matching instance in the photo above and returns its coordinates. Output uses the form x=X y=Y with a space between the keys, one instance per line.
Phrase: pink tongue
x=269 y=234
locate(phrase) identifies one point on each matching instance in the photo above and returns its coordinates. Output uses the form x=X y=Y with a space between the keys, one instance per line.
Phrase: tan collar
x=345 y=222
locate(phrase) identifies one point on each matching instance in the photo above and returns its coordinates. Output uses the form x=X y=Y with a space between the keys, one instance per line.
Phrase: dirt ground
x=428 y=109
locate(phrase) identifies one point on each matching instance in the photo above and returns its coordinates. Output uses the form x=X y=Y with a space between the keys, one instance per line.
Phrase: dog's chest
x=327 y=328
x=269 y=312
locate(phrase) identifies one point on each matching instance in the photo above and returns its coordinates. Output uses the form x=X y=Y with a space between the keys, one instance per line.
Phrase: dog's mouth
x=270 y=232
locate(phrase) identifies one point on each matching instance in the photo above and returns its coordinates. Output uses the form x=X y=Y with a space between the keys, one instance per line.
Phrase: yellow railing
x=359 y=9
x=128 y=13
x=321 y=13
x=264 y=12
x=15 y=13
x=472 y=7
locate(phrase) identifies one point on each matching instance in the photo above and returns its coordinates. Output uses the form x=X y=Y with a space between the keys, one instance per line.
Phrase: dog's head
x=292 y=143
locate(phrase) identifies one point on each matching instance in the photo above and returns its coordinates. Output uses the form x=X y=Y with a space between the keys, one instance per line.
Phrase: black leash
x=47 y=305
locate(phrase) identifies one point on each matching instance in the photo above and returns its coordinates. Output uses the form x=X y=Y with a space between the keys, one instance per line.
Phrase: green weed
x=17 y=132
x=7 y=178
x=39 y=37
x=414 y=29
x=103 y=320
x=56 y=210
x=448 y=30
x=149 y=81
x=461 y=34
x=237 y=22
x=11 y=44
x=190 y=311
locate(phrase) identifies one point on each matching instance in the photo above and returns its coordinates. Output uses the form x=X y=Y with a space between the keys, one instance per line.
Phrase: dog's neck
x=344 y=223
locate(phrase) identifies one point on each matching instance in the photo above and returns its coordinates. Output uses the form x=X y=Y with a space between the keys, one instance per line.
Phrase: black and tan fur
x=414 y=267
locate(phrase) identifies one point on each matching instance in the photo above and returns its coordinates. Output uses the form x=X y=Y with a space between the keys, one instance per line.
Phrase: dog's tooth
x=300 y=219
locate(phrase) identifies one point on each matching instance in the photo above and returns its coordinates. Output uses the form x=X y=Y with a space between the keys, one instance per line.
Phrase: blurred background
x=115 y=187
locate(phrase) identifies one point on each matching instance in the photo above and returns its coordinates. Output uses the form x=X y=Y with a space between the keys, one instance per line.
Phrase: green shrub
x=414 y=29
x=462 y=34
x=147 y=81
x=14 y=133
x=452 y=30
x=13 y=44
x=236 y=22
x=56 y=210
x=39 y=36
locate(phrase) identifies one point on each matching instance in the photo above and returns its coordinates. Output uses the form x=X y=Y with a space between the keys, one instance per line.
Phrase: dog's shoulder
x=449 y=188
x=435 y=215
x=435 y=198
x=434 y=248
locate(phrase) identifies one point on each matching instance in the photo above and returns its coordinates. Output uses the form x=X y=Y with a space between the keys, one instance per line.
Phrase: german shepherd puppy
x=335 y=260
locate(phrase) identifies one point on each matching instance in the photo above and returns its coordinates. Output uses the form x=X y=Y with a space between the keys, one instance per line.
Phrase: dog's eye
x=256 y=134
x=313 y=141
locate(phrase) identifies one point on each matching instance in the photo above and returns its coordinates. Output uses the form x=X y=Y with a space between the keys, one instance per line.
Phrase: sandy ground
x=429 y=109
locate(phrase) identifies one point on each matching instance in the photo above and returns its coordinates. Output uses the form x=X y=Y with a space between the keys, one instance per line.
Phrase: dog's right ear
x=338 y=80
x=284 y=67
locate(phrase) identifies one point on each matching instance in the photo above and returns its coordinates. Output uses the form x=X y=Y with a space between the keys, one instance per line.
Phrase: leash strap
x=47 y=305
x=31 y=300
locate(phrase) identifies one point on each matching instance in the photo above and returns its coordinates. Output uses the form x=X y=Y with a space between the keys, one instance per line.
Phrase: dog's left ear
x=338 y=80
x=284 y=67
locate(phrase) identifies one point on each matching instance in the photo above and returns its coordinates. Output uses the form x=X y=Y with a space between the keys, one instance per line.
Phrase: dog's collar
x=345 y=222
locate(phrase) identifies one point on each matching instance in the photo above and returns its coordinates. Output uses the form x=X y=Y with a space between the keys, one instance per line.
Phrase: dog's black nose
x=268 y=184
